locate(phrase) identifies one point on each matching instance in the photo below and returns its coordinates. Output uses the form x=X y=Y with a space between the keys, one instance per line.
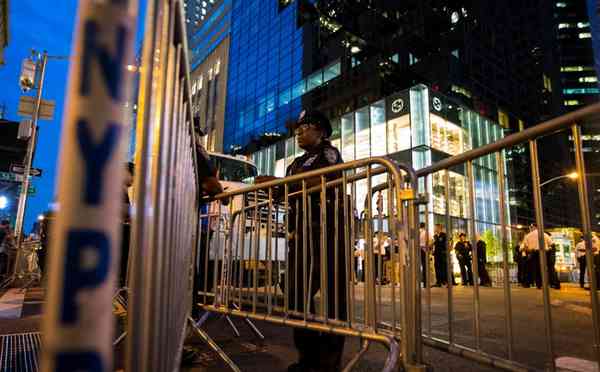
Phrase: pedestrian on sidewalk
x=531 y=246
x=464 y=250
x=551 y=263
x=484 y=276
x=581 y=258
x=440 y=248
x=424 y=244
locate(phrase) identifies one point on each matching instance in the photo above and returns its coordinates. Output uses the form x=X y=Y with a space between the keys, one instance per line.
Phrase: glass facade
x=419 y=127
x=265 y=79
x=208 y=23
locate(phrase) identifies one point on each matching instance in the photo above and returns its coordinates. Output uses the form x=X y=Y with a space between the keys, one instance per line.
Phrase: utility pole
x=30 y=152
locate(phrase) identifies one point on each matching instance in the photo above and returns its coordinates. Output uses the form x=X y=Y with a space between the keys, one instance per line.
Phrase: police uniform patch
x=309 y=161
x=331 y=155
x=302 y=115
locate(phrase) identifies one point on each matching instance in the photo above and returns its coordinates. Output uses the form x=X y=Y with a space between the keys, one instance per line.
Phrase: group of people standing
x=440 y=249
x=527 y=257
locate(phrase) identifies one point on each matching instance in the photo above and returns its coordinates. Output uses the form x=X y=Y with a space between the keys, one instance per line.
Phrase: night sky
x=42 y=25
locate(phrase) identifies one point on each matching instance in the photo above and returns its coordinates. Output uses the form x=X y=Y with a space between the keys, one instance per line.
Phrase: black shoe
x=437 y=285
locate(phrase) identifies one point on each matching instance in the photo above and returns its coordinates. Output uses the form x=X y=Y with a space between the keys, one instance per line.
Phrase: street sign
x=27 y=78
x=11 y=177
x=30 y=191
x=20 y=169
x=27 y=107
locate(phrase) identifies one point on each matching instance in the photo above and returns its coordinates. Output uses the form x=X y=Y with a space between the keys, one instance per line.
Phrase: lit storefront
x=419 y=127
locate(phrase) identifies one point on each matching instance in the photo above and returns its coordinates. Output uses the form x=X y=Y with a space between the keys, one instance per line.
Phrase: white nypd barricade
x=78 y=322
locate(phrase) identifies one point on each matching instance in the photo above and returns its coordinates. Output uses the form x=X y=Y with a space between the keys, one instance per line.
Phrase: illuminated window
x=561 y=5
x=583 y=24
x=521 y=125
x=362 y=137
x=412 y=59
x=581 y=91
x=576 y=68
x=588 y=79
x=547 y=83
x=564 y=25
x=503 y=119
x=460 y=90
x=572 y=102
x=348 y=137
x=399 y=134
x=457 y=192
x=378 y=130
x=585 y=35
x=446 y=136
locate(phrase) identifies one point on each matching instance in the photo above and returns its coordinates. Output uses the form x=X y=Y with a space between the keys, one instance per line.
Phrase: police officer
x=317 y=351
x=440 y=245
x=463 y=251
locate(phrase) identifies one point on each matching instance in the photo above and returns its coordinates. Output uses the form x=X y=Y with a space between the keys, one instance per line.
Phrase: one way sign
x=20 y=169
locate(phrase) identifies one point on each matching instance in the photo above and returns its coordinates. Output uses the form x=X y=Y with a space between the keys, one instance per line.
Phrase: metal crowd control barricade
x=166 y=195
x=283 y=251
x=474 y=349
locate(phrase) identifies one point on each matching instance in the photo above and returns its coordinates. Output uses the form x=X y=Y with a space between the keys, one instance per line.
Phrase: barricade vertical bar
x=336 y=286
x=393 y=222
x=474 y=261
x=539 y=218
x=413 y=223
x=349 y=252
x=269 y=258
x=428 y=269
x=323 y=249
x=89 y=190
x=508 y=323
x=369 y=262
x=352 y=238
x=242 y=255
x=142 y=223
x=311 y=260
x=296 y=245
x=305 y=237
x=584 y=206
x=286 y=209
x=254 y=255
x=450 y=276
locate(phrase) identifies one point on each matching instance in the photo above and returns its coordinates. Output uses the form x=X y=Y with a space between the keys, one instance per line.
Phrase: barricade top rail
x=391 y=165
x=542 y=129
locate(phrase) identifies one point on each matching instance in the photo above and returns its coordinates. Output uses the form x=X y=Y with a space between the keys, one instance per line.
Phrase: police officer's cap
x=316 y=118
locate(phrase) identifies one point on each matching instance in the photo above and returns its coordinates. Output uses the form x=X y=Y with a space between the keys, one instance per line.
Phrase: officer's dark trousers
x=424 y=267
x=203 y=272
x=582 y=266
x=484 y=276
x=317 y=350
x=441 y=269
x=466 y=273
x=534 y=273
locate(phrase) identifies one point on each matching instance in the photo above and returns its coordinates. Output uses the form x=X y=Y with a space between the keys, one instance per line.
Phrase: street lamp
x=572 y=175
x=3 y=202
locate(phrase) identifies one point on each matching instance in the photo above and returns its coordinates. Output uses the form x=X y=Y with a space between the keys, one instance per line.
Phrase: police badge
x=331 y=155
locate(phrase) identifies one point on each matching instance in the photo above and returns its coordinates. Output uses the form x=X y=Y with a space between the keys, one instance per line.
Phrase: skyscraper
x=208 y=26
x=579 y=80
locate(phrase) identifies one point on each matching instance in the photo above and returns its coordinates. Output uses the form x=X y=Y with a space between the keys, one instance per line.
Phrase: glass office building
x=265 y=80
x=208 y=24
x=419 y=127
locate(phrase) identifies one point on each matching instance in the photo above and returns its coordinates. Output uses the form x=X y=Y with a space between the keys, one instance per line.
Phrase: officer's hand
x=211 y=186
x=263 y=179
